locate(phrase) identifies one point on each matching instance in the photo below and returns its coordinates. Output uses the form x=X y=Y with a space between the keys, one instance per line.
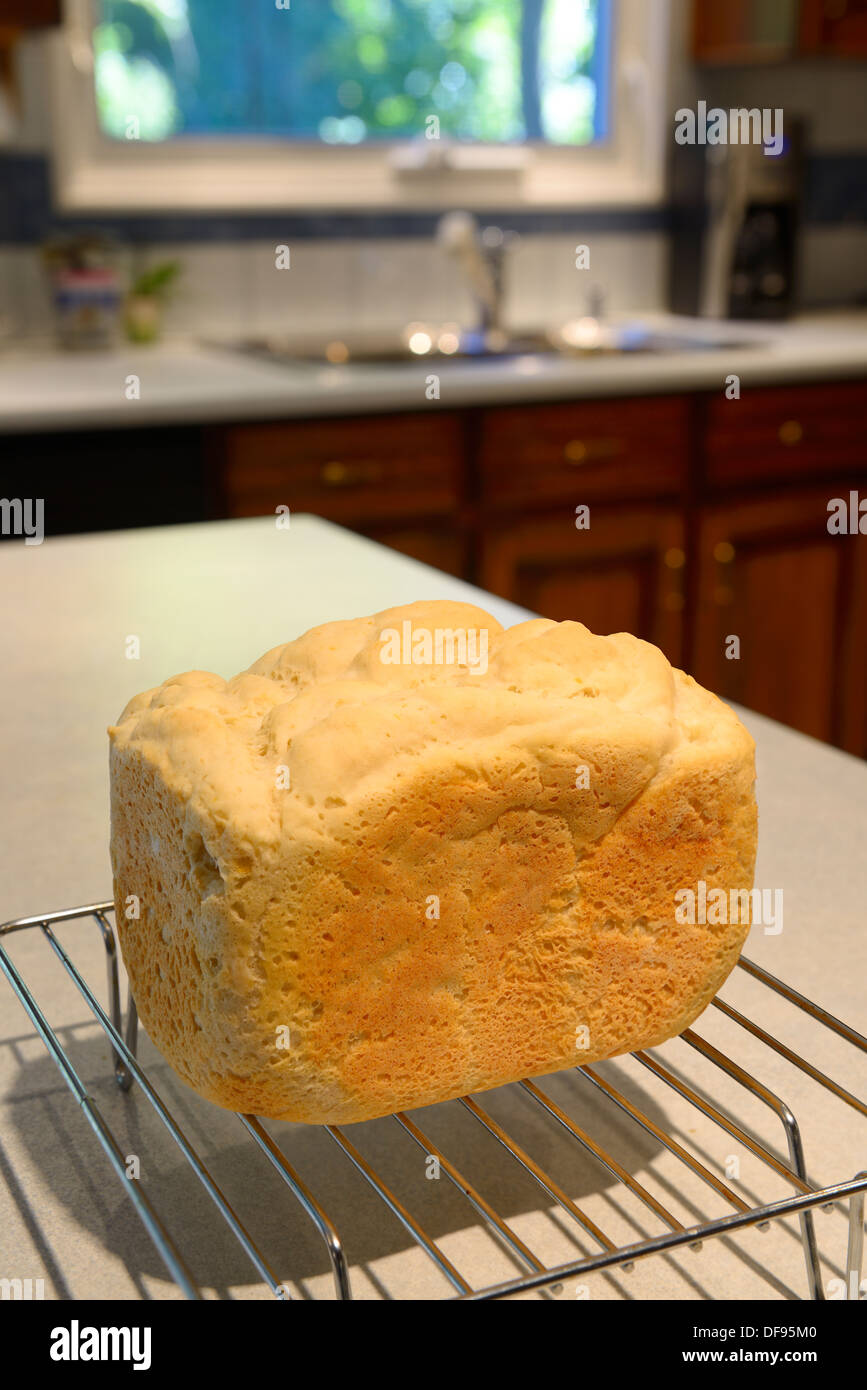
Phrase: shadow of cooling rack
x=536 y=1275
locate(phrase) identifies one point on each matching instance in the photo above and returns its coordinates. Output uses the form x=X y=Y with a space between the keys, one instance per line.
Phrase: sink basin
x=423 y=345
x=379 y=349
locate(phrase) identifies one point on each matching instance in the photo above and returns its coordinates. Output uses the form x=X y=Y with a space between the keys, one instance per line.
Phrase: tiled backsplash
x=233 y=289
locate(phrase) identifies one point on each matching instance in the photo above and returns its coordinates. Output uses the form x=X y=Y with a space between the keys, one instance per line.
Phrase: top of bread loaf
x=347 y=710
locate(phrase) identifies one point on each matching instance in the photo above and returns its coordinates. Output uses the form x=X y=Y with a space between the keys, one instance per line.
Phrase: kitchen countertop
x=184 y=383
x=215 y=596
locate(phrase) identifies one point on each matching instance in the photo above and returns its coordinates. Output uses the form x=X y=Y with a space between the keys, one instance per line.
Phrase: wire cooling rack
x=538 y=1276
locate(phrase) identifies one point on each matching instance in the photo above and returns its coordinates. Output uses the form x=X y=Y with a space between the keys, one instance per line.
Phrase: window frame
x=193 y=173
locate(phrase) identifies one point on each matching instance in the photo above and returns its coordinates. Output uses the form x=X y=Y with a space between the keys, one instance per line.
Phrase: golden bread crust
x=432 y=906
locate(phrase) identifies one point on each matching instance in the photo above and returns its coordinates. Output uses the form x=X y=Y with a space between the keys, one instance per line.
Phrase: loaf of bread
x=415 y=855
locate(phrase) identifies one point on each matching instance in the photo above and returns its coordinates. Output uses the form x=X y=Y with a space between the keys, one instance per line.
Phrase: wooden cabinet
x=837 y=27
x=771 y=576
x=625 y=573
x=767 y=31
x=707 y=521
x=30 y=14
x=744 y=31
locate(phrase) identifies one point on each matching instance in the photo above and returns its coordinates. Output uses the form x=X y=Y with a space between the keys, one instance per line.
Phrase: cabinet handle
x=790 y=432
x=674 y=560
x=338 y=474
x=579 y=451
x=724 y=554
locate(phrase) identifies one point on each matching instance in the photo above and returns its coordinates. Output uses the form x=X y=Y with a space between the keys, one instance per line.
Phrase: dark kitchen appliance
x=735 y=213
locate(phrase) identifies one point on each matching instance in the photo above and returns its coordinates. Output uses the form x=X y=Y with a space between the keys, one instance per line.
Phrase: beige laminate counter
x=215 y=597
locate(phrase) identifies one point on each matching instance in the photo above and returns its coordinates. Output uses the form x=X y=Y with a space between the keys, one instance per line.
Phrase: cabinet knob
x=334 y=473
x=790 y=432
x=579 y=451
x=723 y=552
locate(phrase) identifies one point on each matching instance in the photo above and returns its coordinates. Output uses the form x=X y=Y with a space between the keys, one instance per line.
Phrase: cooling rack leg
x=855 y=1252
x=320 y=1219
x=122 y=1074
x=808 y=1233
x=793 y=1139
x=131 y=1037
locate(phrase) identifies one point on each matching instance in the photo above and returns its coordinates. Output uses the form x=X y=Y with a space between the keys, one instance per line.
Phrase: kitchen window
x=358 y=103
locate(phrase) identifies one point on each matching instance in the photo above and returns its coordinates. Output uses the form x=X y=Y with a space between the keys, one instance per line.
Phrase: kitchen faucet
x=480 y=256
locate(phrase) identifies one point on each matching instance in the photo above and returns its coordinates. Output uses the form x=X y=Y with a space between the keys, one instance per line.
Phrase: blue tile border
x=836 y=192
x=26 y=217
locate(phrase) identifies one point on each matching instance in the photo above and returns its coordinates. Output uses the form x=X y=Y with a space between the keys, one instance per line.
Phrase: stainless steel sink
x=374 y=349
x=422 y=343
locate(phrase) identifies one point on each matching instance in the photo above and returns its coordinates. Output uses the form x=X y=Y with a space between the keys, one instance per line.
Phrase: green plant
x=157 y=280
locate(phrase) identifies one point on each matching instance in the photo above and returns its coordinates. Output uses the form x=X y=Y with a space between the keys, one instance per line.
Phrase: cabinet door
x=770 y=574
x=834 y=26
x=624 y=574
x=744 y=31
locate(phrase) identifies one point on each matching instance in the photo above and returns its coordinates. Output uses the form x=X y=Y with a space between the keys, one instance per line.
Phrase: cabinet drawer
x=786 y=433
x=537 y=455
x=354 y=470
